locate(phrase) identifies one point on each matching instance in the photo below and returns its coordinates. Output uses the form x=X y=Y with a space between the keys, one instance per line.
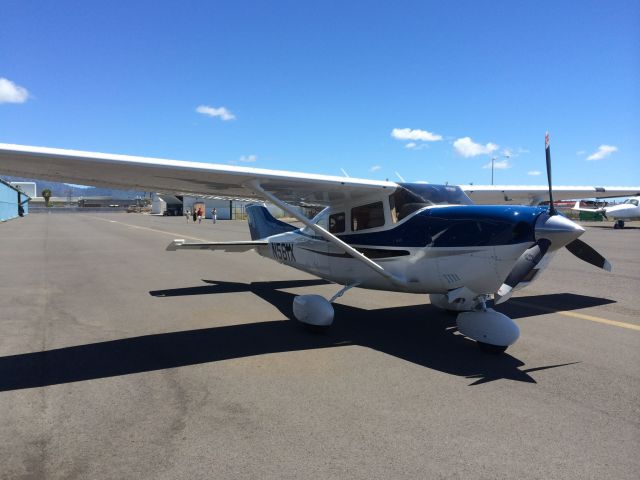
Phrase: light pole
x=493 y=159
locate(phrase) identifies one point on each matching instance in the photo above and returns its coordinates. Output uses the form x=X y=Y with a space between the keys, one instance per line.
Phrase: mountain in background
x=63 y=190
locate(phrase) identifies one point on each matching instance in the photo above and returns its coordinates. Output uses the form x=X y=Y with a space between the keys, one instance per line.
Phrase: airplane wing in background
x=126 y=172
x=578 y=208
x=534 y=194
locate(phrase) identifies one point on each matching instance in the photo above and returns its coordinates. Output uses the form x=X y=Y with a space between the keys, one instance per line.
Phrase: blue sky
x=431 y=90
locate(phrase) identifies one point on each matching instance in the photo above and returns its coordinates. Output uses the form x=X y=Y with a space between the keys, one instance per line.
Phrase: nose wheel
x=494 y=332
x=618 y=224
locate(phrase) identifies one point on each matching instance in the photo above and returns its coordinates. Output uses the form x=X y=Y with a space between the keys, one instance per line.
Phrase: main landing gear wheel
x=492 y=349
x=316 y=329
x=314 y=312
x=618 y=224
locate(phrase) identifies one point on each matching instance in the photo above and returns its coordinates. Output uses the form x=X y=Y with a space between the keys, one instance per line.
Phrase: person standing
x=194 y=215
x=214 y=215
x=187 y=214
x=200 y=214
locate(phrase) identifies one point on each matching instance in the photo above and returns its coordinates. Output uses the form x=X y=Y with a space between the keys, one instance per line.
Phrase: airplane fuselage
x=624 y=211
x=437 y=249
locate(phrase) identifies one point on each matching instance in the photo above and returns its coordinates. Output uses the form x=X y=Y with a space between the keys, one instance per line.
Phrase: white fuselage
x=427 y=269
x=630 y=210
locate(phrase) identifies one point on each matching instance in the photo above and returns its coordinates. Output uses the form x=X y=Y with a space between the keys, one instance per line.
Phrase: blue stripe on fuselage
x=458 y=226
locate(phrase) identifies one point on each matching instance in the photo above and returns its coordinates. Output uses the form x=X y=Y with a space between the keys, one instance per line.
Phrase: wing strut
x=255 y=184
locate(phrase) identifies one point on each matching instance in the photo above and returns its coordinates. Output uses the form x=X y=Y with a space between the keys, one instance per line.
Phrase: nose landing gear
x=493 y=331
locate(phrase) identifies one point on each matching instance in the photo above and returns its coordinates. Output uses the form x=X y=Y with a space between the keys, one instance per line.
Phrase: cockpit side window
x=633 y=201
x=367 y=216
x=337 y=222
x=403 y=203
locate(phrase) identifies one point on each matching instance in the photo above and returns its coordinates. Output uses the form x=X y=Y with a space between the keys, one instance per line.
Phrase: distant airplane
x=381 y=235
x=629 y=210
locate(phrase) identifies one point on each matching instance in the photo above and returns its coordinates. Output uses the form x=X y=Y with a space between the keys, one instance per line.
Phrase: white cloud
x=581 y=152
x=248 y=158
x=12 y=93
x=416 y=146
x=375 y=168
x=534 y=173
x=498 y=164
x=409 y=134
x=603 y=152
x=468 y=148
x=221 y=112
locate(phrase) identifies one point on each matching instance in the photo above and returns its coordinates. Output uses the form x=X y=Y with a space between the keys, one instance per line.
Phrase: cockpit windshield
x=414 y=196
x=632 y=201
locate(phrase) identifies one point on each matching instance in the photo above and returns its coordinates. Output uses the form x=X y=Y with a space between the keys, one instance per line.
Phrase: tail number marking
x=283 y=252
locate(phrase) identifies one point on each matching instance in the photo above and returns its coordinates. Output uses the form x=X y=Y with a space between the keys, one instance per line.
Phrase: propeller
x=551 y=229
x=603 y=212
x=525 y=264
x=547 y=154
x=588 y=254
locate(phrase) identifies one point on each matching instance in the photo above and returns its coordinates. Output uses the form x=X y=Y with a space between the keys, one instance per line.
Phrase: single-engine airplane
x=404 y=237
x=629 y=210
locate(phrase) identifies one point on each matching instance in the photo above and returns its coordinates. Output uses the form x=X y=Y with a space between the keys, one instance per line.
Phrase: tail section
x=262 y=224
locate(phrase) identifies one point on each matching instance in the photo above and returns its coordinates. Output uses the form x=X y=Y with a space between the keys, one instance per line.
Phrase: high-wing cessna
x=405 y=237
x=629 y=210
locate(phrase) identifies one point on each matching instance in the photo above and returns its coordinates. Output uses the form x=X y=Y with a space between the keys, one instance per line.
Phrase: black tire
x=317 y=329
x=492 y=349
x=616 y=226
x=621 y=224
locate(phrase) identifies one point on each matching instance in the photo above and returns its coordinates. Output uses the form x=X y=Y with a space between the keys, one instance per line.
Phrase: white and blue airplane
x=380 y=235
x=628 y=210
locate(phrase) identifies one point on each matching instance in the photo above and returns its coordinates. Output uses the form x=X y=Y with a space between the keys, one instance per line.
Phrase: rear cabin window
x=367 y=216
x=336 y=223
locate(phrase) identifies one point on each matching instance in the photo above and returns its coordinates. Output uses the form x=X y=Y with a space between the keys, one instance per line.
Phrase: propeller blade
x=527 y=262
x=547 y=151
x=588 y=254
x=604 y=214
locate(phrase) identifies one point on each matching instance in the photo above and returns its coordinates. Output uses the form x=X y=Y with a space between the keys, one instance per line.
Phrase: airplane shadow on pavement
x=420 y=334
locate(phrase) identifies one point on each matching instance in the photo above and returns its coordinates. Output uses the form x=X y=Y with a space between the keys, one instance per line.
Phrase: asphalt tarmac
x=121 y=360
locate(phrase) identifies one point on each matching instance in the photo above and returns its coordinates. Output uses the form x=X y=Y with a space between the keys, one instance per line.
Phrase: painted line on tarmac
x=581 y=316
x=174 y=235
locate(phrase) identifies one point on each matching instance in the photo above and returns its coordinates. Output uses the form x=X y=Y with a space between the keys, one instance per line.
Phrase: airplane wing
x=578 y=208
x=534 y=194
x=181 y=178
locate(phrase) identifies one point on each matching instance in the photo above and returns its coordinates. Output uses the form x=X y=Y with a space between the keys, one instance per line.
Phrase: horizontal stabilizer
x=240 y=246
